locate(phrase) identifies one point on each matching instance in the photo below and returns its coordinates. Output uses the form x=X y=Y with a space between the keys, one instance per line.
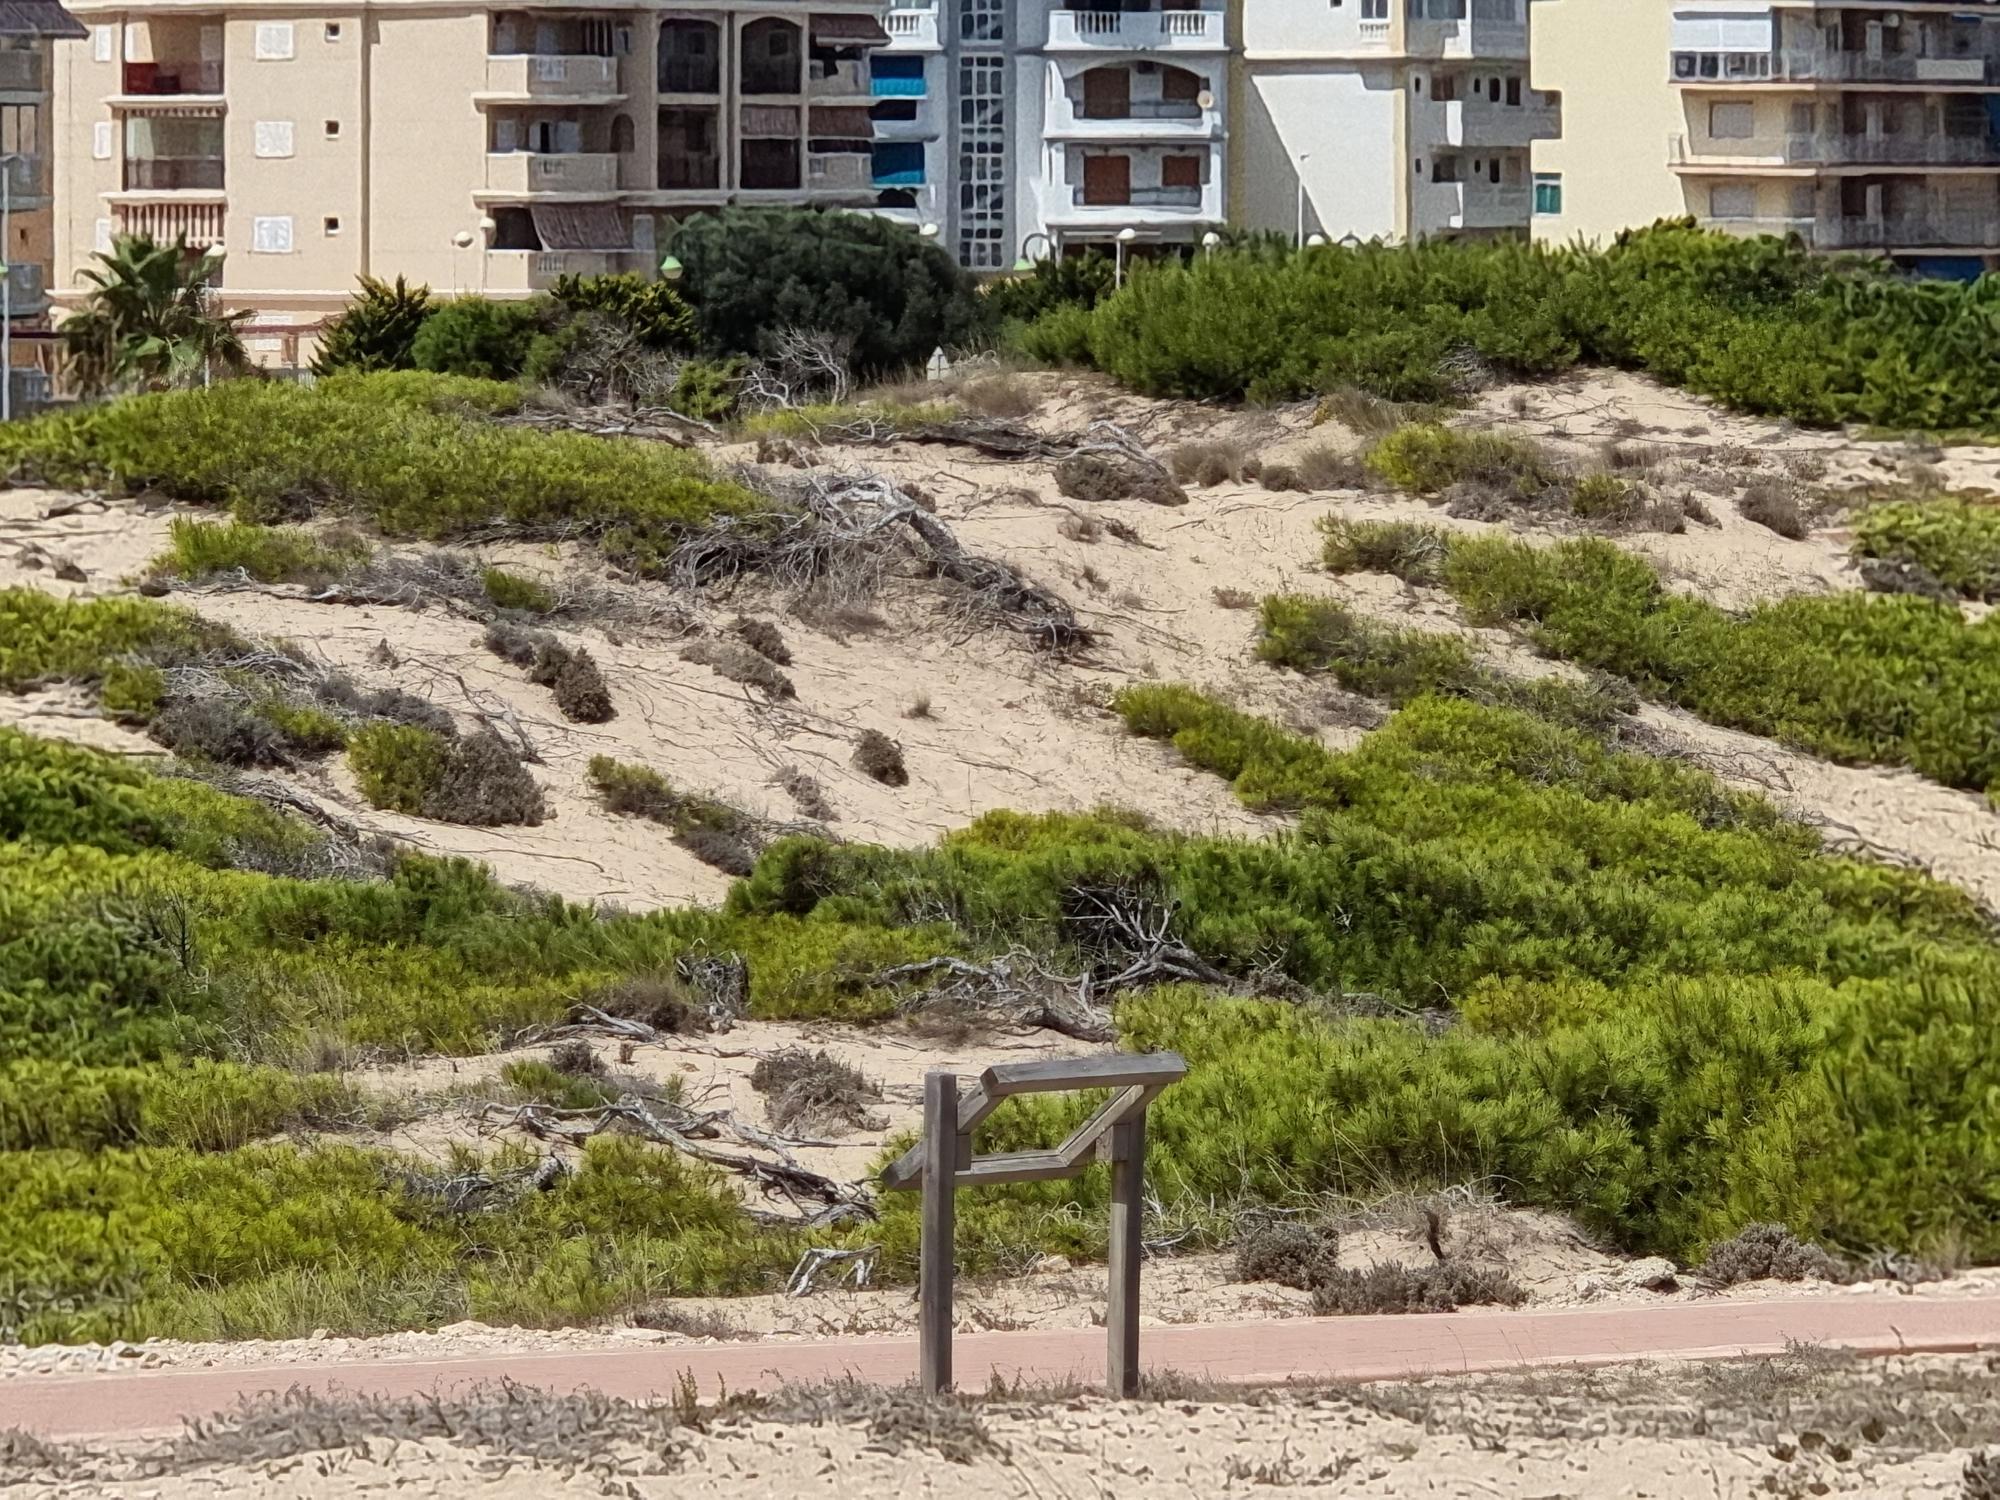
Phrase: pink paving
x=1271 y=1353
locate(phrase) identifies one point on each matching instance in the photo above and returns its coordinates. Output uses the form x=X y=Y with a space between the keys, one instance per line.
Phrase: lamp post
x=1299 y=234
x=1125 y=237
x=1314 y=241
x=1209 y=241
x=671 y=268
x=465 y=239
x=1025 y=262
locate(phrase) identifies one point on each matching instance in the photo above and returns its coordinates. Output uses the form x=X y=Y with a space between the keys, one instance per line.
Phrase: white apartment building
x=1386 y=119
x=28 y=30
x=1857 y=127
x=472 y=146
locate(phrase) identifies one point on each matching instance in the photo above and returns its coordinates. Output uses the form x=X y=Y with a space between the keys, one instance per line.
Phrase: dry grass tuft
x=807 y=795
x=1230 y=598
x=1079 y=528
x=1213 y=461
x=876 y=755
x=763 y=637
x=1003 y=396
x=1359 y=412
x=1384 y=1288
x=920 y=707
x=898 y=1418
x=1289 y=1252
x=814 y=1093
x=577 y=1059
x=1326 y=467
x=1770 y=1252
x=741 y=664
x=1774 y=504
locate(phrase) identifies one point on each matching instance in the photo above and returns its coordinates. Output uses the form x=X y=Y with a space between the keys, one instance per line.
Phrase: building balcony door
x=1107 y=94
x=1107 y=179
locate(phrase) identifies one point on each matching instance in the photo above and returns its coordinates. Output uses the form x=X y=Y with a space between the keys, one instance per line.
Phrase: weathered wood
x=1111 y=1071
x=907 y=1170
x=1128 y=1201
x=1018 y=1166
x=938 y=1231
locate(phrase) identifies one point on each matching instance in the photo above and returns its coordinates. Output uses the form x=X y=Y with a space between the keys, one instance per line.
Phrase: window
x=1735 y=121
x=899 y=163
x=1800 y=120
x=1180 y=171
x=333 y=31
x=1514 y=92
x=330 y=225
x=1732 y=200
x=1444 y=87
x=101 y=43
x=1374 y=10
x=274 y=41
x=1800 y=200
x=102 y=134
x=1444 y=169
x=273 y=138
x=1692 y=65
x=333 y=130
x=1548 y=193
x=271 y=236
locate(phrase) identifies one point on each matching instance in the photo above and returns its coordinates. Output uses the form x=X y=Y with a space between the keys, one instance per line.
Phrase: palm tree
x=152 y=320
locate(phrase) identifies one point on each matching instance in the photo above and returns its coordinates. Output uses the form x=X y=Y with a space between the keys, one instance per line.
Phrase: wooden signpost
x=942 y=1162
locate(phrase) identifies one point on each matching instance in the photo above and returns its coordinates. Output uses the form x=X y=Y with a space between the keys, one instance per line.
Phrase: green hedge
x=1954 y=538
x=1755 y=324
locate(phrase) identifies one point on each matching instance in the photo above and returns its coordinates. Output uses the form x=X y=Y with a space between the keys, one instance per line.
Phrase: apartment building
x=1387 y=119
x=1857 y=127
x=28 y=31
x=478 y=148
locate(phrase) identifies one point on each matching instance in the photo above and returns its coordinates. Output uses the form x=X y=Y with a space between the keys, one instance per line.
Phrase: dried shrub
x=814 y=1093
x=1079 y=528
x=390 y=703
x=721 y=849
x=1407 y=550
x=1359 y=412
x=577 y=1059
x=898 y=1417
x=660 y=1001
x=713 y=832
x=221 y=730
x=1774 y=504
x=1622 y=455
x=1325 y=467
x=1281 y=477
x=807 y=795
x=1211 y=462
x=1982 y=1476
x=581 y=693
x=1388 y=1288
x=515 y=643
x=1288 y=1252
x=1002 y=396
x=1900 y=575
x=1102 y=477
x=484 y=784
x=739 y=663
x=763 y=637
x=876 y=755
x=1770 y=1252
x=1229 y=598
x=920 y=707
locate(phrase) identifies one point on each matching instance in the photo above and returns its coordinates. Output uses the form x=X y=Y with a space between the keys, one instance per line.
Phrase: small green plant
x=399 y=766
x=708 y=389
x=1956 y=539
x=1320 y=635
x=377 y=330
x=1426 y=458
x=1409 y=550
x=1599 y=497
x=651 y=309
x=268 y=554
x=506 y=590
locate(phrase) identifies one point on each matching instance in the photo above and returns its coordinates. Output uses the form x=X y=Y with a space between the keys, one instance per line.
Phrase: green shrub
x=1320 y=635
x=826 y=419
x=480 y=338
x=753 y=273
x=506 y=590
x=651 y=309
x=398 y=766
x=1425 y=458
x=1063 y=281
x=308 y=730
x=1955 y=538
x=407 y=451
x=269 y=554
x=1854 y=677
x=707 y=389
x=1060 y=337
x=1599 y=497
x=1406 y=549
x=375 y=331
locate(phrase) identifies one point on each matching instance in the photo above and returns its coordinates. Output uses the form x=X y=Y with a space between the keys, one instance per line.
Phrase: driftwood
x=658 y=424
x=687 y=1132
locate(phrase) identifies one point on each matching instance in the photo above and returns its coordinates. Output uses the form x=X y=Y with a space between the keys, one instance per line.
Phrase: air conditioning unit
x=1684 y=65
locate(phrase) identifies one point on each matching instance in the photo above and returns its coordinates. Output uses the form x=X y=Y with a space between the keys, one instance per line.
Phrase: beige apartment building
x=28 y=31
x=1857 y=127
x=475 y=148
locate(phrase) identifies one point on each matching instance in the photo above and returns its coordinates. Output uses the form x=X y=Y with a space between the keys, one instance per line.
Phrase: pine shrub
x=1953 y=539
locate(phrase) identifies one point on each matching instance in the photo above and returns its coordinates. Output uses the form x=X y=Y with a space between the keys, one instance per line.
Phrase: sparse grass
x=1363 y=414
x=920 y=707
x=1004 y=396
x=200 y=550
x=1233 y=598
x=506 y=590
x=1325 y=467
x=830 y=421
x=1408 y=550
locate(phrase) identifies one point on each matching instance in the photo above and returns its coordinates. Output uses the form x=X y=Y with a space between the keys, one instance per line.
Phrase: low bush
x=1769 y=1252
x=1407 y=550
x=651 y=310
x=270 y=554
x=814 y=1093
x=1325 y=467
x=475 y=780
x=414 y=454
x=763 y=637
x=739 y=662
x=880 y=757
x=582 y=695
x=1426 y=458
x=1060 y=282
x=1217 y=461
x=480 y=338
x=1320 y=635
x=376 y=331
x=1290 y=1252
x=1855 y=677
x=1389 y=1288
x=506 y=590
x=1774 y=505
x=1059 y=338
x=225 y=731
x=1952 y=538
x=712 y=831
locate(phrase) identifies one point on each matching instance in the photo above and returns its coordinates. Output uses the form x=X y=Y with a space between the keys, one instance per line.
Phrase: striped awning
x=581 y=226
x=38 y=18
x=767 y=120
x=860 y=31
x=854 y=122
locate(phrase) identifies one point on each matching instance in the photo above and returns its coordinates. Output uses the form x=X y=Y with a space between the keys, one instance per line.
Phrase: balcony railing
x=536 y=270
x=1145 y=197
x=1912 y=231
x=843 y=79
x=173 y=174
x=1828 y=66
x=165 y=222
x=911 y=27
x=1473 y=37
x=1138 y=30
x=21 y=70
x=839 y=171
x=551 y=172
x=551 y=75
x=1858 y=149
x=165 y=80
x=1481 y=122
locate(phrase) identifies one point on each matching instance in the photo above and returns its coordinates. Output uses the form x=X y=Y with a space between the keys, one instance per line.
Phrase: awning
x=853 y=122
x=766 y=120
x=38 y=18
x=1720 y=31
x=864 y=31
x=581 y=226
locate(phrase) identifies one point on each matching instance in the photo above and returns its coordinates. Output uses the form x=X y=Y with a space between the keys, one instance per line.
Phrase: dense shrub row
x=1852 y=676
x=1955 y=539
x=411 y=453
x=1756 y=324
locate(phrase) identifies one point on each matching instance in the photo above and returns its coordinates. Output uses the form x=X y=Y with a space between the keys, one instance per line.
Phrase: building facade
x=1386 y=119
x=30 y=30
x=475 y=148
x=1865 y=128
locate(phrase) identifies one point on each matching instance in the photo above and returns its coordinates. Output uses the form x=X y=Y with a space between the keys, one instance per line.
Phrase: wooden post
x=940 y=1146
x=1128 y=1202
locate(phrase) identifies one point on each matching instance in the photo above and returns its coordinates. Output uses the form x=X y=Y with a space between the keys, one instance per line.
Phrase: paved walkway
x=1270 y=1353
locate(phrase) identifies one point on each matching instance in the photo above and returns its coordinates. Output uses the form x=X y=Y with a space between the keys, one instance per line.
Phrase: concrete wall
x=1347 y=120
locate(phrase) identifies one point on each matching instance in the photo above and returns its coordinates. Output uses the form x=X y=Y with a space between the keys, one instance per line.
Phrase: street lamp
x=1299 y=235
x=1025 y=262
x=465 y=239
x=1125 y=237
x=1209 y=241
x=671 y=268
x=927 y=231
x=1314 y=241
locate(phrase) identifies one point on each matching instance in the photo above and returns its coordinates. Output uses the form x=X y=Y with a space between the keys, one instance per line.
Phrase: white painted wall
x=1344 y=119
x=1312 y=28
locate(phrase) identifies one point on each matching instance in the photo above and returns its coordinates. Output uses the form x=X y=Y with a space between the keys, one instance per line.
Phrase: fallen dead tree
x=689 y=1131
x=836 y=539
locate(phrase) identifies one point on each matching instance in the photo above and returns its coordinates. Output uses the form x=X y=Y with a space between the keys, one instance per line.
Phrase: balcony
x=1140 y=119
x=538 y=270
x=913 y=87
x=1909 y=232
x=526 y=173
x=911 y=29
x=532 y=77
x=1830 y=66
x=1852 y=150
x=27 y=295
x=170 y=80
x=1480 y=122
x=21 y=71
x=1152 y=206
x=1137 y=30
x=839 y=172
x=846 y=79
x=201 y=223
x=1468 y=37
x=1437 y=207
x=173 y=174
